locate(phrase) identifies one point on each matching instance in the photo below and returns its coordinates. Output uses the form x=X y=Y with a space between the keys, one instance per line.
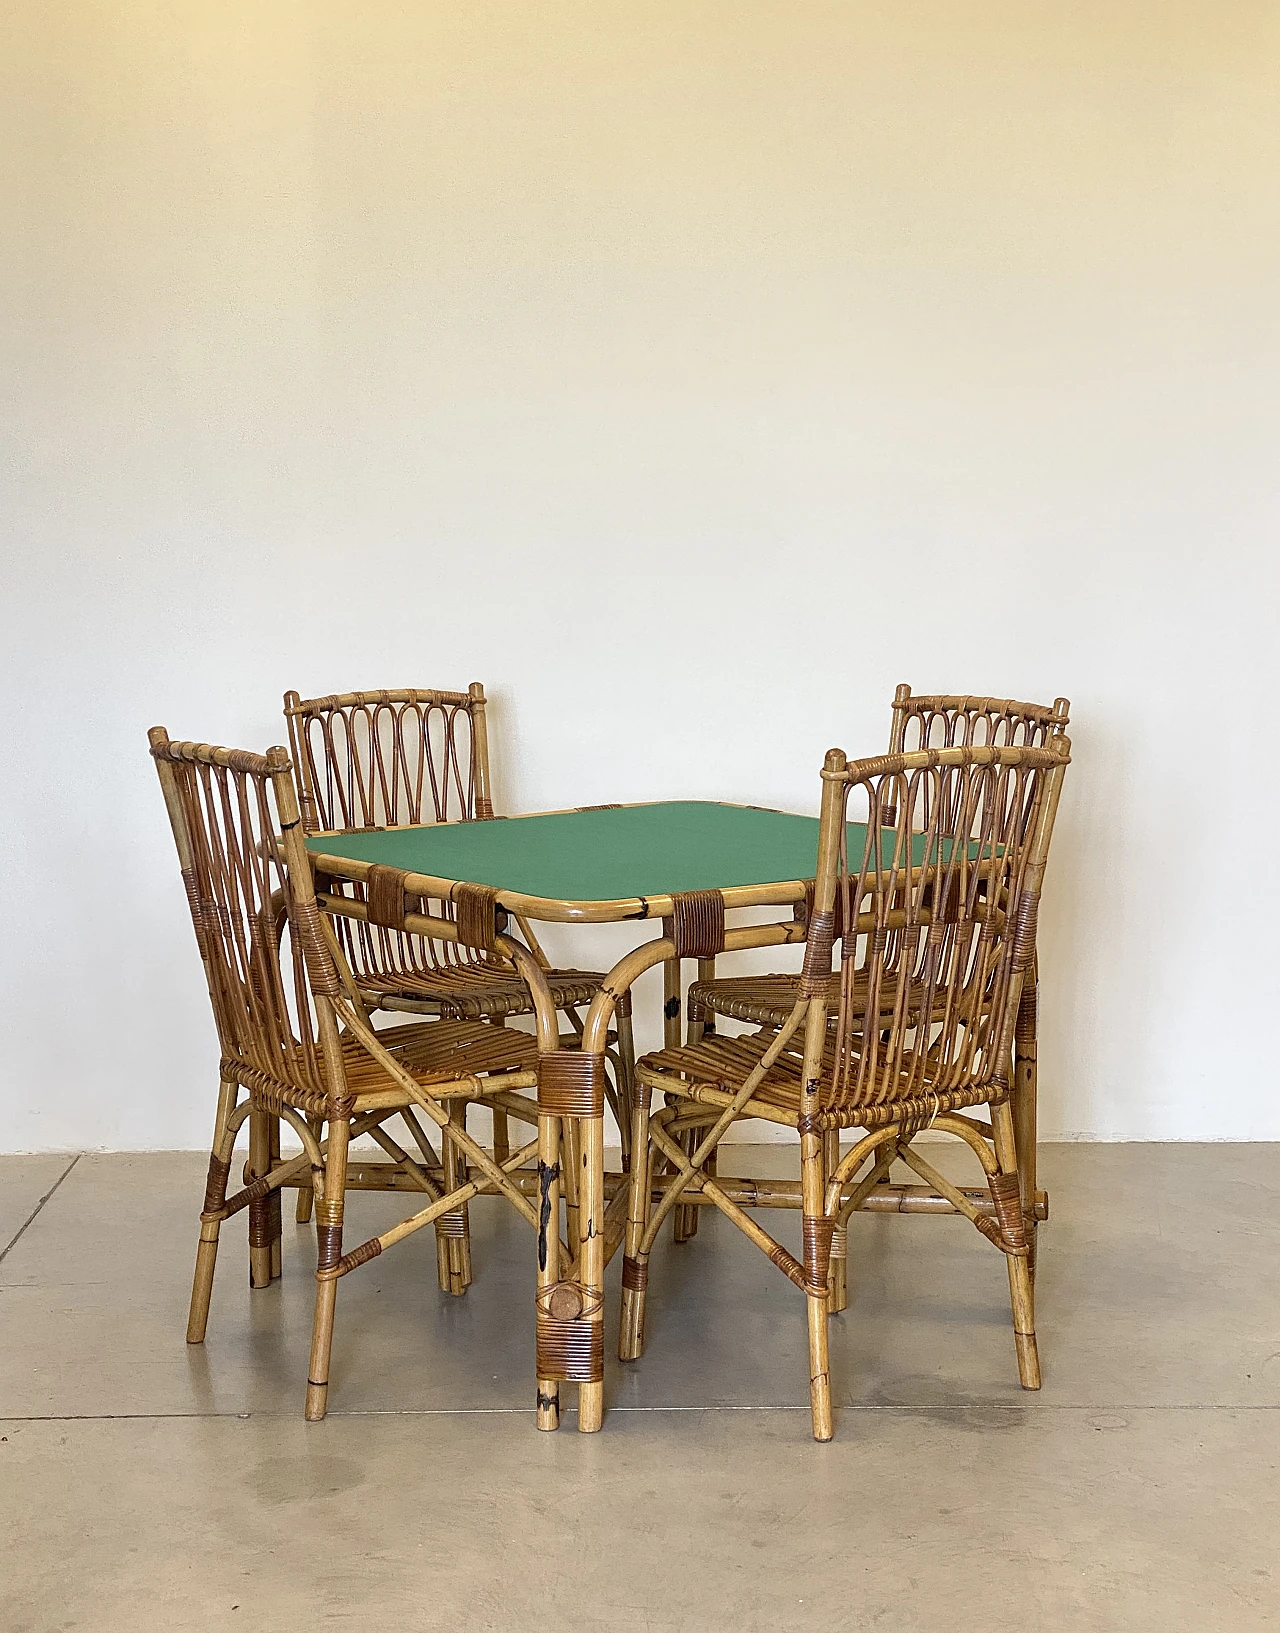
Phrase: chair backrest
x=386 y=759
x=934 y=899
x=952 y=722
x=235 y=823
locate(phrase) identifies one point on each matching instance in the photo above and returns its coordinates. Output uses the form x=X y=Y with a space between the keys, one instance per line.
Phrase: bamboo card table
x=682 y=864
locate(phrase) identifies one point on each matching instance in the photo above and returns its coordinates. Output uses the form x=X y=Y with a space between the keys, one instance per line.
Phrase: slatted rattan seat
x=473 y=991
x=713 y=1070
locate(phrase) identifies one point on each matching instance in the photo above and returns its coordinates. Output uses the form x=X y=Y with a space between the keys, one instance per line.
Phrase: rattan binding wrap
x=696 y=924
x=386 y=896
x=477 y=907
x=571 y=1083
x=570 y=1351
x=817 y=1253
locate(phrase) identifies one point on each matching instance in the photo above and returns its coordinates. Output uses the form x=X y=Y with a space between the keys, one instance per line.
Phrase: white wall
x=689 y=373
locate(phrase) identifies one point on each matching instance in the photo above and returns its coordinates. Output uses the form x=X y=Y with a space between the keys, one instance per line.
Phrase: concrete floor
x=146 y=1484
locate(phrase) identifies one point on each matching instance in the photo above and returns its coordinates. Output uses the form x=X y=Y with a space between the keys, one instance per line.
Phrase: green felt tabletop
x=604 y=855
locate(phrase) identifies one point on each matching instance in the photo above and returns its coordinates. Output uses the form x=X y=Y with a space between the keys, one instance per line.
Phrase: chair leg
x=1025 y=1090
x=259 y=1210
x=627 y=1087
x=306 y=1196
x=1021 y=1290
x=837 y=1287
x=275 y=1225
x=214 y=1196
x=453 y=1230
x=329 y=1211
x=635 y=1268
x=819 y=1368
x=687 y=1214
x=812 y=1184
x=501 y=1125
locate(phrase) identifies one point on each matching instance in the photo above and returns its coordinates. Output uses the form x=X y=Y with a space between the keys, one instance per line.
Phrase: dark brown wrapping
x=571 y=1084
x=817 y=1252
x=385 y=887
x=570 y=1351
x=215 y=1188
x=321 y=969
x=696 y=924
x=1007 y=1197
x=635 y=1274
x=477 y=907
x=817 y=956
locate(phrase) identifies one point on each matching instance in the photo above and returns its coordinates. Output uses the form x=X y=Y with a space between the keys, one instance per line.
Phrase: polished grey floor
x=145 y=1482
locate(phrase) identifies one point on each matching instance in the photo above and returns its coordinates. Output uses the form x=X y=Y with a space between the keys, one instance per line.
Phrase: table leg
x=684 y=1217
x=548 y=1391
x=591 y=1222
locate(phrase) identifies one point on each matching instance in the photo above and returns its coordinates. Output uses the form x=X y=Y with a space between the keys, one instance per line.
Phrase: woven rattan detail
x=1024 y=934
x=475 y=991
x=840 y=1242
x=723 y=1063
x=484 y=808
x=328 y=1247
x=635 y=1274
x=571 y=1084
x=570 y=1351
x=1007 y=1198
x=695 y=926
x=260 y=1221
x=477 y=907
x=215 y=1187
x=453 y=1224
x=359 y=1255
x=817 y=1252
x=385 y=899
x=816 y=973
x=321 y=969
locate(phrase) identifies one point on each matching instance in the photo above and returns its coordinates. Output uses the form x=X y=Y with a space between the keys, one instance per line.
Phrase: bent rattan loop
x=696 y=924
x=571 y=1083
x=477 y=915
x=386 y=896
x=570 y=1351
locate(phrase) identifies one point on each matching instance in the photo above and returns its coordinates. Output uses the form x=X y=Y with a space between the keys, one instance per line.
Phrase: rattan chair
x=936 y=929
x=389 y=758
x=297 y=1044
x=917 y=722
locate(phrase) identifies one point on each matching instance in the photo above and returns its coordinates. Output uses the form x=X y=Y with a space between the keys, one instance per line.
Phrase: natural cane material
x=918 y=721
x=393 y=759
x=936 y=906
x=297 y=1044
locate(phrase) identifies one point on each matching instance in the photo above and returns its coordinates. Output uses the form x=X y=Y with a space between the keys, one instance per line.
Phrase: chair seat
x=767 y=1000
x=436 y=1055
x=475 y=991
x=716 y=1068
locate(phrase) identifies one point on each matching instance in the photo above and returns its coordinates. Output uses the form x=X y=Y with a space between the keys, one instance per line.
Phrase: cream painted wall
x=690 y=373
